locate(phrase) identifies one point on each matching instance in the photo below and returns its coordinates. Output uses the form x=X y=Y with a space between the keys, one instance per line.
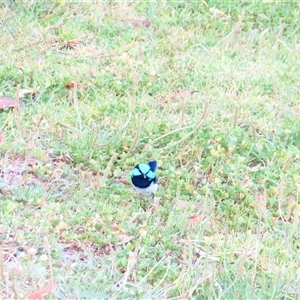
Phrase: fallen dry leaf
x=124 y=238
x=69 y=45
x=5 y=192
x=196 y=218
x=122 y=180
x=114 y=227
x=39 y=295
x=182 y=94
x=91 y=73
x=9 y=102
x=24 y=92
x=69 y=85
x=217 y=13
x=187 y=204
x=138 y=23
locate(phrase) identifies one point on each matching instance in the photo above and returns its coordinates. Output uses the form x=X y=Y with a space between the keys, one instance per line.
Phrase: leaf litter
x=137 y=23
x=188 y=204
x=24 y=92
x=20 y=172
x=40 y=294
x=182 y=94
x=9 y=103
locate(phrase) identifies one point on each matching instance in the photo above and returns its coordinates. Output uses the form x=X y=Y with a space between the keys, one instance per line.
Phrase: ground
x=209 y=90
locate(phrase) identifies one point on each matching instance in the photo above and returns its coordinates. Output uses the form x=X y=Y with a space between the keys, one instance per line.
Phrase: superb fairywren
x=144 y=179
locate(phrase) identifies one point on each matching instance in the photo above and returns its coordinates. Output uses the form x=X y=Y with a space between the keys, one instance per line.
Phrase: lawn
x=209 y=90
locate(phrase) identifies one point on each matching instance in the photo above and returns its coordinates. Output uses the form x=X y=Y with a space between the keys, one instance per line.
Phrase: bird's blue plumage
x=153 y=165
x=144 y=168
x=144 y=178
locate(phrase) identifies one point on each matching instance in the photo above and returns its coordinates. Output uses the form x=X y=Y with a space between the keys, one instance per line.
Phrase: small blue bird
x=144 y=179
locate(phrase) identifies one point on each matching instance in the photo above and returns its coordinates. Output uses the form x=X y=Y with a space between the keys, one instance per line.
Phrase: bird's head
x=146 y=171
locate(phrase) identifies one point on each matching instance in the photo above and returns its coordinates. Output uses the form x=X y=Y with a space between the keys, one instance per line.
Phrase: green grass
x=233 y=147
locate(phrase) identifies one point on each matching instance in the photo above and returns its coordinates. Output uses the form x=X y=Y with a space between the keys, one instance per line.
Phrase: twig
x=68 y=126
x=94 y=142
x=16 y=108
x=173 y=131
x=132 y=259
x=49 y=257
x=38 y=125
x=236 y=113
x=231 y=35
x=75 y=102
x=194 y=287
x=151 y=270
x=13 y=285
x=133 y=103
x=200 y=123
x=110 y=163
x=138 y=132
x=182 y=112
x=1 y=265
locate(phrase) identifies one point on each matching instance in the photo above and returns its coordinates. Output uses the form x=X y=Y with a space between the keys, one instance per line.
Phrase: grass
x=227 y=226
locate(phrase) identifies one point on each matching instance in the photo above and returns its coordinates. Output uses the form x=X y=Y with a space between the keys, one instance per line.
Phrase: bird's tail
x=153 y=165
